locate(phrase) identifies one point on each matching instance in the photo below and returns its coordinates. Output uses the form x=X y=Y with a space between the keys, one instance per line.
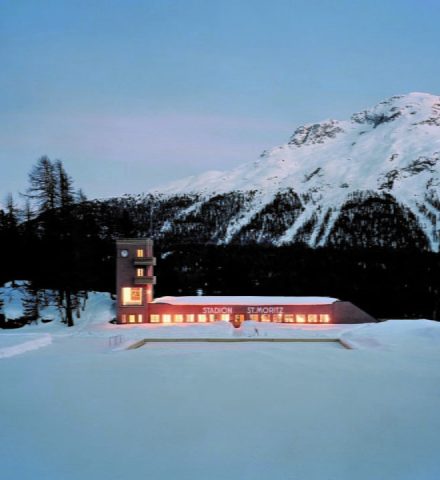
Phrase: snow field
x=78 y=410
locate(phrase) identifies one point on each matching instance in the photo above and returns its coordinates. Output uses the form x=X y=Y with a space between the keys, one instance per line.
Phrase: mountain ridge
x=386 y=154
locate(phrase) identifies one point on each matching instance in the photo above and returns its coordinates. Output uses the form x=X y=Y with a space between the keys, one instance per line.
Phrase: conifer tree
x=43 y=185
x=31 y=304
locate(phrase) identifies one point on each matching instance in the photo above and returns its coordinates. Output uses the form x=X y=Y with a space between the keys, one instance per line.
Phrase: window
x=140 y=319
x=166 y=318
x=324 y=318
x=189 y=318
x=154 y=318
x=131 y=318
x=201 y=318
x=225 y=317
x=300 y=318
x=277 y=317
x=178 y=318
x=149 y=293
x=124 y=318
x=254 y=317
x=312 y=318
x=140 y=272
x=140 y=253
x=211 y=317
x=265 y=318
x=132 y=296
x=289 y=318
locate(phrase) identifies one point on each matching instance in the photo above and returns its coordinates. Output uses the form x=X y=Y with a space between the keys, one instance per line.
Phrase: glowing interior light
x=300 y=318
x=225 y=317
x=265 y=318
x=278 y=317
x=166 y=318
x=324 y=318
x=201 y=318
x=132 y=296
x=190 y=318
x=178 y=318
x=132 y=318
x=154 y=318
x=140 y=252
x=254 y=317
x=312 y=318
x=289 y=318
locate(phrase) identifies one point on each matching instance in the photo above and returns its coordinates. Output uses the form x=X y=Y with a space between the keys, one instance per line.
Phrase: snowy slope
x=390 y=149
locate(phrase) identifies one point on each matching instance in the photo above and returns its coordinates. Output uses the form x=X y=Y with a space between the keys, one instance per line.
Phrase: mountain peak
x=423 y=106
x=391 y=149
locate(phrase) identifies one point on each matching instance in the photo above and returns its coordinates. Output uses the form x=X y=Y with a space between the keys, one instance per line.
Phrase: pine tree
x=9 y=240
x=43 y=185
x=31 y=304
x=80 y=196
x=64 y=186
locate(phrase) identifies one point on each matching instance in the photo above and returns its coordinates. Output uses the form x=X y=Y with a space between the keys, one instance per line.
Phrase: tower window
x=131 y=296
x=140 y=253
x=140 y=272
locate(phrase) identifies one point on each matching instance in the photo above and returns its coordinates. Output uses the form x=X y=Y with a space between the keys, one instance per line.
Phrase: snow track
x=20 y=345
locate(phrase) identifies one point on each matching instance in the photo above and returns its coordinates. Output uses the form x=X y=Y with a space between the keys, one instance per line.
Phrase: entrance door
x=238 y=320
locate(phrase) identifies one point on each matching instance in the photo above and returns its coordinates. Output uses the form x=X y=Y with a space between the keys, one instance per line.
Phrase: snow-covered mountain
x=371 y=180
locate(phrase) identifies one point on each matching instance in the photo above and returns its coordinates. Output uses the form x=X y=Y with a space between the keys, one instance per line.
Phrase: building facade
x=135 y=281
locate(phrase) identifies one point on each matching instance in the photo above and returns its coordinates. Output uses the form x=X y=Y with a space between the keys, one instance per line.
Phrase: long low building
x=136 y=303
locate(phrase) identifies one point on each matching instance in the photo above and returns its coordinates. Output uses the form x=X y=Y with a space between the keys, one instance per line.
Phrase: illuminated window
x=178 y=318
x=155 y=318
x=140 y=320
x=254 y=317
x=225 y=317
x=189 y=318
x=140 y=252
x=300 y=318
x=166 y=318
x=149 y=293
x=131 y=296
x=211 y=317
x=289 y=318
x=312 y=318
x=324 y=318
x=277 y=317
x=265 y=318
x=124 y=318
x=201 y=318
x=131 y=318
x=140 y=272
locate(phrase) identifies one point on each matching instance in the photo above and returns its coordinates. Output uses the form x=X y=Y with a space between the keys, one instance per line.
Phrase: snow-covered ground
x=80 y=407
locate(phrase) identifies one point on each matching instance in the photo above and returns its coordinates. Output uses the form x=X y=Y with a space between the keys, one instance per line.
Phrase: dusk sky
x=132 y=94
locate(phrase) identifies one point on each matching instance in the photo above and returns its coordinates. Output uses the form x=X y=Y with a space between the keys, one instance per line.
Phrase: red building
x=136 y=304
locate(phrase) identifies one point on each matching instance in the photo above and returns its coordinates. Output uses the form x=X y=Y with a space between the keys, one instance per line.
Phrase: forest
x=58 y=239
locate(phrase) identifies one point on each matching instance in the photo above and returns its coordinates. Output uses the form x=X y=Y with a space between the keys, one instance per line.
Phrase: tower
x=134 y=279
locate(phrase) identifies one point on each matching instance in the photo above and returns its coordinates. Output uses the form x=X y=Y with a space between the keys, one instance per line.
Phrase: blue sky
x=131 y=94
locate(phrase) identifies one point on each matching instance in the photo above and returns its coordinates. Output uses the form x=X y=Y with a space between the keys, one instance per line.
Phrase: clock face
x=124 y=253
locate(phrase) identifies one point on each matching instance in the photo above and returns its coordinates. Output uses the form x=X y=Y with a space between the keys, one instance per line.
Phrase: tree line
x=60 y=240
x=45 y=241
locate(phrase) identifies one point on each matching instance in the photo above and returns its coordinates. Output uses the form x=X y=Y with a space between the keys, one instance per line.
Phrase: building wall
x=135 y=280
x=128 y=263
